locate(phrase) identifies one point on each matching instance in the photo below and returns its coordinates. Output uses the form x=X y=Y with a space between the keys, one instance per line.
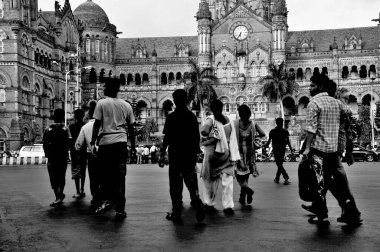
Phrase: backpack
x=56 y=141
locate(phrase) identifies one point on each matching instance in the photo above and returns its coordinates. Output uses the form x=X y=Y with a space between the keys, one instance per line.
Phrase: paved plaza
x=275 y=222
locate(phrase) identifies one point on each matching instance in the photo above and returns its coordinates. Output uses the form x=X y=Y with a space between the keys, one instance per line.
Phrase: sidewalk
x=275 y=222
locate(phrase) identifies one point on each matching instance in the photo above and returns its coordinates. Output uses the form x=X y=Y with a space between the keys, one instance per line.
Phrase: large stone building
x=238 y=38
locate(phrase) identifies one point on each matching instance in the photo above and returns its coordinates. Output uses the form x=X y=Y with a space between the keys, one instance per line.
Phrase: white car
x=32 y=151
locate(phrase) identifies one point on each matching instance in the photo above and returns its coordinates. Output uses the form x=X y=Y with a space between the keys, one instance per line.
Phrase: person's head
x=180 y=98
x=331 y=88
x=244 y=112
x=280 y=122
x=78 y=115
x=111 y=87
x=318 y=84
x=59 y=115
x=216 y=107
x=92 y=106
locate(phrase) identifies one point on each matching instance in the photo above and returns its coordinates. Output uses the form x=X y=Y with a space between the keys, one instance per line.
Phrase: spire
x=204 y=11
x=279 y=7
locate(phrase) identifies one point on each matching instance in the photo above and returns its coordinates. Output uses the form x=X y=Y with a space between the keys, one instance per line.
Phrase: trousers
x=211 y=187
x=113 y=169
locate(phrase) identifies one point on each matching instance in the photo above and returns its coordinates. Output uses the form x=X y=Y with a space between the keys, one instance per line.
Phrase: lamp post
x=66 y=89
x=373 y=77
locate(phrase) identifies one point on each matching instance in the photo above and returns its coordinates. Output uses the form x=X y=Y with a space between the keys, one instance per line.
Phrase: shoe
x=228 y=211
x=210 y=210
x=287 y=182
x=276 y=181
x=250 y=193
x=103 y=208
x=319 y=220
x=55 y=203
x=176 y=218
x=200 y=214
x=120 y=215
x=351 y=215
x=82 y=195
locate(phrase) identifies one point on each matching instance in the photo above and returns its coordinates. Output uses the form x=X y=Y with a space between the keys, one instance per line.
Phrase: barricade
x=23 y=161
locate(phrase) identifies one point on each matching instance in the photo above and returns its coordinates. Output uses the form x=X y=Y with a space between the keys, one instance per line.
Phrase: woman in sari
x=246 y=131
x=221 y=153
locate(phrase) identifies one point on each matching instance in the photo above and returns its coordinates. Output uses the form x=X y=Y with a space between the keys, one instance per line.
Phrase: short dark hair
x=180 y=97
x=280 y=122
x=244 y=111
x=59 y=115
x=331 y=88
x=92 y=106
x=321 y=80
x=111 y=87
x=79 y=114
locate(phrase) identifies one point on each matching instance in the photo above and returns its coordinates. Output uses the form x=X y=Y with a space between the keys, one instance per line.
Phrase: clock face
x=241 y=32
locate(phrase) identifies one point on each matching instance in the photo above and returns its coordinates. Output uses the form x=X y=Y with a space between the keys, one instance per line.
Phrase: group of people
x=100 y=145
x=229 y=152
x=143 y=154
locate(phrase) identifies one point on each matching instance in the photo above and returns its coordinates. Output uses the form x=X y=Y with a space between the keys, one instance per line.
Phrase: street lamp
x=66 y=89
x=373 y=77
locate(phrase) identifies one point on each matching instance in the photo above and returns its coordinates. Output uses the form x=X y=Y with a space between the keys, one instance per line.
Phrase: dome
x=90 y=11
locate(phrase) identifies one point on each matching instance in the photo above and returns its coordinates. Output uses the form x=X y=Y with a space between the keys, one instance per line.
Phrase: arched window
x=363 y=72
x=167 y=106
x=308 y=73
x=186 y=76
x=97 y=45
x=145 y=78
x=372 y=72
x=88 y=44
x=219 y=70
x=171 y=77
x=122 y=79
x=164 y=79
x=138 y=79
x=354 y=72
x=36 y=56
x=345 y=72
x=178 y=76
x=299 y=74
x=229 y=70
x=129 y=79
x=3 y=137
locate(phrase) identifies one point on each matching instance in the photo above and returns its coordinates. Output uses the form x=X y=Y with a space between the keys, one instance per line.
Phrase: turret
x=204 y=34
x=279 y=29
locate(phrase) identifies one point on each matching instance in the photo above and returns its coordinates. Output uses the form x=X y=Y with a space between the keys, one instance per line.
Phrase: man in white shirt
x=114 y=124
x=153 y=154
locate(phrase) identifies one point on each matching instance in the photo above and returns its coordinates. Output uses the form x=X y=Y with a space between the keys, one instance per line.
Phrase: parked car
x=362 y=154
x=32 y=151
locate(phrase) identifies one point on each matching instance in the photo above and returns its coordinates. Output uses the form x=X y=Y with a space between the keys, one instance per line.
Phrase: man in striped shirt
x=323 y=120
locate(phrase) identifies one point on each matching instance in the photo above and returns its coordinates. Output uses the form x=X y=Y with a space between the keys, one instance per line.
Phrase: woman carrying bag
x=221 y=153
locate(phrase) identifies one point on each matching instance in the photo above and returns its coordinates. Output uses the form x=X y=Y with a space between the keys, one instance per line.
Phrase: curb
x=23 y=161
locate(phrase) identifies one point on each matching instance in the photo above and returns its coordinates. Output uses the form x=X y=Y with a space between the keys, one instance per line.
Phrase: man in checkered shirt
x=323 y=120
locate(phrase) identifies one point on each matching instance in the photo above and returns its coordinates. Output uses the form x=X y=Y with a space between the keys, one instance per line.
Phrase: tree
x=200 y=90
x=145 y=130
x=277 y=84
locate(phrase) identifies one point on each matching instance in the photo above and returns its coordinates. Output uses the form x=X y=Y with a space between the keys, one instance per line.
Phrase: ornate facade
x=238 y=38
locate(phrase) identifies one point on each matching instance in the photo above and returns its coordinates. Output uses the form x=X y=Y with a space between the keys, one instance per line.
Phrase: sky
x=162 y=18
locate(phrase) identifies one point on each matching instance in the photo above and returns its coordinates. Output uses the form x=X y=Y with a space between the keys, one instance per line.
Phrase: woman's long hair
x=216 y=107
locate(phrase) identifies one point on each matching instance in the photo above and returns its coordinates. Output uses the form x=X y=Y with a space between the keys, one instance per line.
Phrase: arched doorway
x=167 y=107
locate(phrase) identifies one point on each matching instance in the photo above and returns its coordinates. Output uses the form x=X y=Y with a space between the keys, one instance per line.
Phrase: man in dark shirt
x=280 y=138
x=182 y=138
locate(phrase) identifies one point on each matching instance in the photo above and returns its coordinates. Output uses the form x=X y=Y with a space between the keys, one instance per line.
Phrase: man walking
x=113 y=119
x=323 y=120
x=280 y=138
x=182 y=137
